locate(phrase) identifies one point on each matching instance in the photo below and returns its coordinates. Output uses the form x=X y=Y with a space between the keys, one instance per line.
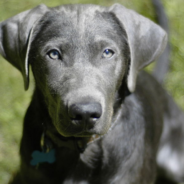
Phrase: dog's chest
x=103 y=162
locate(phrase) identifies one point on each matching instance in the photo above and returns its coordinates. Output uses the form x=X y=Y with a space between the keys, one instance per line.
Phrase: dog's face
x=79 y=58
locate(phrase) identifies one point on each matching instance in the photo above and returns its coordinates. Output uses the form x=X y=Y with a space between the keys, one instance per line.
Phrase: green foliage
x=14 y=101
x=175 y=78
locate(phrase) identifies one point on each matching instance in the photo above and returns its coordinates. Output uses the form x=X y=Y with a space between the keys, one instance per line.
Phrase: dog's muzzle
x=85 y=115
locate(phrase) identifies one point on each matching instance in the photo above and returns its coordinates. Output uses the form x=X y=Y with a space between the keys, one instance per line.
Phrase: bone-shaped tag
x=41 y=157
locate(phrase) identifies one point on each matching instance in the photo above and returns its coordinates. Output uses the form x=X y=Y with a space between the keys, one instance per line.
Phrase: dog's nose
x=85 y=114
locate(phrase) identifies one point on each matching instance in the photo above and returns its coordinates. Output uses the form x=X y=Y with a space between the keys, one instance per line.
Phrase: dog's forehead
x=82 y=21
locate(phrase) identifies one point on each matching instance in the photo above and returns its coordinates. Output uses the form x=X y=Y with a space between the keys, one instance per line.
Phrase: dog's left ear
x=15 y=36
x=146 y=40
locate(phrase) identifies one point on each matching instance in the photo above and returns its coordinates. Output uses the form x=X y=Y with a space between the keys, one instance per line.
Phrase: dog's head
x=80 y=54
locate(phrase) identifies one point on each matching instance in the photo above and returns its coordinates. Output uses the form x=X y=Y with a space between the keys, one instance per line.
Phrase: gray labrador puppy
x=99 y=119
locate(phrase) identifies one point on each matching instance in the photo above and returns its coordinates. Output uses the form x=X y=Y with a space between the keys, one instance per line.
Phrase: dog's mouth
x=79 y=140
x=78 y=131
x=88 y=134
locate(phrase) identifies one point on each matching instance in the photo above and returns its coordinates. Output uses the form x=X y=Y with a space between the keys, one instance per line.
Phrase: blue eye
x=108 y=53
x=54 y=54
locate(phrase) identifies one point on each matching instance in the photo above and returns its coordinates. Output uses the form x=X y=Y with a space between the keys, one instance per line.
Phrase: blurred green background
x=14 y=100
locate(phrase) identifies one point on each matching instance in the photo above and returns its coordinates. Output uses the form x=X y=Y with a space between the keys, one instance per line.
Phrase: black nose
x=85 y=114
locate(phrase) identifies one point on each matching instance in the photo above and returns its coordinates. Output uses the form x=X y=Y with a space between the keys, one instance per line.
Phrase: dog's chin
x=82 y=133
x=88 y=134
x=67 y=129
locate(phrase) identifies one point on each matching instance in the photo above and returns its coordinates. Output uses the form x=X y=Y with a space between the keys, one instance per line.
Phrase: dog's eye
x=54 y=54
x=108 y=53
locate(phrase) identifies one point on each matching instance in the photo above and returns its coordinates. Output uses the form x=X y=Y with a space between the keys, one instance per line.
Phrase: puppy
x=94 y=116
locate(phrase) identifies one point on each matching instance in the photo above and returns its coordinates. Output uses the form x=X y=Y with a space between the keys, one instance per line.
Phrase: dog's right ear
x=15 y=38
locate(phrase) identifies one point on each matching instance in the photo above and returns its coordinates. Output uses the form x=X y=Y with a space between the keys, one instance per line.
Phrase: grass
x=14 y=101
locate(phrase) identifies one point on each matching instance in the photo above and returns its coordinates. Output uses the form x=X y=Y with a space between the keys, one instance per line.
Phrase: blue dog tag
x=42 y=157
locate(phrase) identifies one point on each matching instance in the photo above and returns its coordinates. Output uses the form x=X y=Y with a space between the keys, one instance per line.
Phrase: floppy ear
x=146 y=40
x=15 y=38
